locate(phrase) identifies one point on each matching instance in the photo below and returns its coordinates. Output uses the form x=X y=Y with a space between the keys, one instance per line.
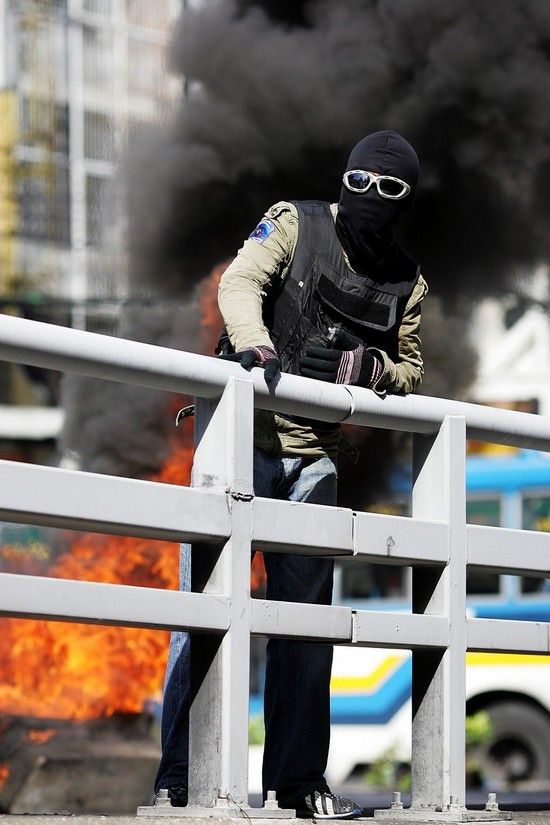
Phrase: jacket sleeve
x=264 y=257
x=405 y=374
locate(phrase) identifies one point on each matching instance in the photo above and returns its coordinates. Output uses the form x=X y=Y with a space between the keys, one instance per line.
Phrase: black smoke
x=121 y=429
x=279 y=92
x=274 y=95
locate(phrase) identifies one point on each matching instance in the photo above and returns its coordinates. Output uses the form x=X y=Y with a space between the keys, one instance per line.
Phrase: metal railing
x=221 y=512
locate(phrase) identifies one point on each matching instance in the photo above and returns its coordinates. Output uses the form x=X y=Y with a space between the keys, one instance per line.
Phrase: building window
x=485 y=511
x=147 y=67
x=40 y=46
x=43 y=201
x=149 y=15
x=95 y=200
x=98 y=136
x=98 y=6
x=44 y=124
x=536 y=516
x=98 y=57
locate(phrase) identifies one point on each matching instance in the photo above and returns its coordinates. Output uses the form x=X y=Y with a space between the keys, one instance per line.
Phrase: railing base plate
x=451 y=815
x=225 y=808
x=219 y=812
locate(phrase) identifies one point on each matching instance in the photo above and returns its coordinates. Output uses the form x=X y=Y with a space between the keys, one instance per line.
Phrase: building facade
x=74 y=76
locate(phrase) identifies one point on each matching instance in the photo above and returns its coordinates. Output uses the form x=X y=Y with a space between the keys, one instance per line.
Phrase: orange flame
x=211 y=319
x=65 y=670
x=257 y=574
x=4 y=774
x=38 y=737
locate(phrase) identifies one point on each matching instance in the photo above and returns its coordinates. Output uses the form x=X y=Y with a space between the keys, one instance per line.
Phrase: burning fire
x=65 y=670
x=4 y=773
x=39 y=737
x=211 y=320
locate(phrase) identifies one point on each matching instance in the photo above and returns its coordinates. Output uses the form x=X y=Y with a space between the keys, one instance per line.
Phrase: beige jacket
x=260 y=263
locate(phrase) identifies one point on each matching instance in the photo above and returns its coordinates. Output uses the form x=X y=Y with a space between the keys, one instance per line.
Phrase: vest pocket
x=374 y=309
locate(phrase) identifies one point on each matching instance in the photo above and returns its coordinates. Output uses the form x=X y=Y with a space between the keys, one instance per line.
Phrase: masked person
x=323 y=291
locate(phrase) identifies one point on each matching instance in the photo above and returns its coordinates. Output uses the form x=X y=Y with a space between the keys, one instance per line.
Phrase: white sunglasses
x=359 y=181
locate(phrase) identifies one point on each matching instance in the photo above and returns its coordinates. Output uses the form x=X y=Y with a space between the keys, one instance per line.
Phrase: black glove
x=257 y=357
x=355 y=366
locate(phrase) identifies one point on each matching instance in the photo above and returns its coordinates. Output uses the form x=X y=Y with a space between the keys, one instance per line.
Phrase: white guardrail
x=221 y=512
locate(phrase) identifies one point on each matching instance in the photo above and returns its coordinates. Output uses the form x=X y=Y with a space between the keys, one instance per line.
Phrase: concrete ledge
x=536 y=817
x=522 y=818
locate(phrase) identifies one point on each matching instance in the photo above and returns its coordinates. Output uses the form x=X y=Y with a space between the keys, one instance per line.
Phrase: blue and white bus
x=371 y=687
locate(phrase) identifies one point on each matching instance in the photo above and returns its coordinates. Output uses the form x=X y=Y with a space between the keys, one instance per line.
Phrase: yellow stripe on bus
x=371 y=682
x=505 y=659
x=368 y=683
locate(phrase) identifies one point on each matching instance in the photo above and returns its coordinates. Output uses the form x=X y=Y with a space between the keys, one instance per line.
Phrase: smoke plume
x=278 y=93
x=120 y=429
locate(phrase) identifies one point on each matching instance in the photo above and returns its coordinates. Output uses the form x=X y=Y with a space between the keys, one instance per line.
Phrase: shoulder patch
x=262 y=231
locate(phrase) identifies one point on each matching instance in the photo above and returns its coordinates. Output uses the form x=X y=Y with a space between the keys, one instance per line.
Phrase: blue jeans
x=296 y=698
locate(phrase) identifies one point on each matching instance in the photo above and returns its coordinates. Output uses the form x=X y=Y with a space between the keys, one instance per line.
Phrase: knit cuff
x=370 y=369
x=263 y=354
x=349 y=366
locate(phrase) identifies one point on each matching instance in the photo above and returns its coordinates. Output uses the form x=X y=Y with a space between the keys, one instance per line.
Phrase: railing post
x=438 y=690
x=218 y=768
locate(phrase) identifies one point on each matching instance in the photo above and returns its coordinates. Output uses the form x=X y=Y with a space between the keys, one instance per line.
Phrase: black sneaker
x=326 y=805
x=177 y=794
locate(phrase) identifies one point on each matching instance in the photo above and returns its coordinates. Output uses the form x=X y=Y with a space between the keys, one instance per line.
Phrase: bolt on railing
x=224 y=519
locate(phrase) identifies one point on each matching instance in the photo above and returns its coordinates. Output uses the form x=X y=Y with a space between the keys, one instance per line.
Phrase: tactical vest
x=321 y=295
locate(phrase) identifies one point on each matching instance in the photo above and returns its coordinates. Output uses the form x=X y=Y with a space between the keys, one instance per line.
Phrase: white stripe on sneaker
x=325 y=805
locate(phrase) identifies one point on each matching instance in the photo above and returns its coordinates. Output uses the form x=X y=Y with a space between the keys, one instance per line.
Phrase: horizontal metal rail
x=401 y=630
x=292 y=527
x=35 y=597
x=505 y=636
x=97 y=503
x=302 y=621
x=131 y=362
x=54 y=599
x=100 y=503
x=399 y=540
x=501 y=550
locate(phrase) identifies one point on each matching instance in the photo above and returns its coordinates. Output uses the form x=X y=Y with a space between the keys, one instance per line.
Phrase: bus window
x=372 y=581
x=485 y=511
x=535 y=516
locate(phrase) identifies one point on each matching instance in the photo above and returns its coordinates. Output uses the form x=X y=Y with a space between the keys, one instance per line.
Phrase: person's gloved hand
x=354 y=366
x=257 y=357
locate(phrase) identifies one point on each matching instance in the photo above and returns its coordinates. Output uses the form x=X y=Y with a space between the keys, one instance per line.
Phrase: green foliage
x=256 y=730
x=387 y=772
x=478 y=728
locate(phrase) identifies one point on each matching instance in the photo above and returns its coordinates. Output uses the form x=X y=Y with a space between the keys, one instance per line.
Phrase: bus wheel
x=518 y=749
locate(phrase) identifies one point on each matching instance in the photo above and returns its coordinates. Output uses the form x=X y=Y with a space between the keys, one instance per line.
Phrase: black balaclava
x=365 y=223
